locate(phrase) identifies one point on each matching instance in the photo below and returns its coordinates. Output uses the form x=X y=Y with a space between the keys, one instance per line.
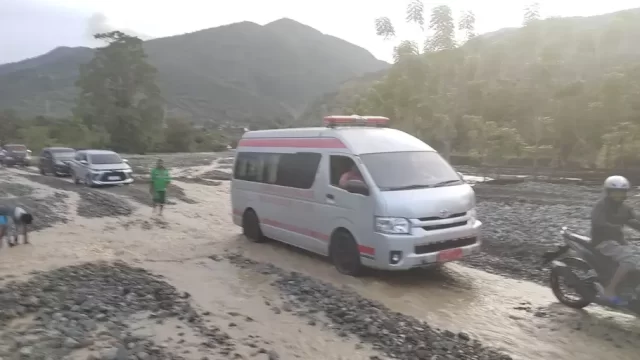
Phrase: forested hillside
x=242 y=73
x=559 y=91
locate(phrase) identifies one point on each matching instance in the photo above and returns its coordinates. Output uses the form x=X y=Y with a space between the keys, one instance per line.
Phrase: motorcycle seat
x=598 y=257
x=585 y=240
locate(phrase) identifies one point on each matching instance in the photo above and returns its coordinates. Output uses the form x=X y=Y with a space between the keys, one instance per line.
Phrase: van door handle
x=330 y=196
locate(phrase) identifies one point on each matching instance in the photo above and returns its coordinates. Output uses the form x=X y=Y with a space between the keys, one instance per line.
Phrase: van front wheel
x=344 y=254
x=251 y=227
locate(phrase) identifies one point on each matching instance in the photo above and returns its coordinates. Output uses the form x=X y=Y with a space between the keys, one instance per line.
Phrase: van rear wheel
x=345 y=255
x=251 y=227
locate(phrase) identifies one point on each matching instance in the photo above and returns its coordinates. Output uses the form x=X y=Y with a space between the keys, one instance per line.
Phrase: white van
x=356 y=191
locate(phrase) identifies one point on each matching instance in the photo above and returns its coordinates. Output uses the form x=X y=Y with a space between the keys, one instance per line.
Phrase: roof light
x=355 y=120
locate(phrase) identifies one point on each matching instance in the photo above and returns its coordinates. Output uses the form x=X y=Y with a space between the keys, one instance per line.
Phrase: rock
x=109 y=354
x=26 y=352
x=272 y=355
x=71 y=343
x=142 y=355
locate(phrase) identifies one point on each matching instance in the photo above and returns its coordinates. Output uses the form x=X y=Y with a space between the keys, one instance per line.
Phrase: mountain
x=240 y=73
x=580 y=48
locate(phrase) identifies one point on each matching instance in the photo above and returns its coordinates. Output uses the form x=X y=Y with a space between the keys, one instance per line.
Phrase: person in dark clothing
x=608 y=218
x=12 y=220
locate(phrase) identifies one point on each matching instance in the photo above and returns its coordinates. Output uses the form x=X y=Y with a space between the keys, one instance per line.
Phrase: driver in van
x=608 y=217
x=352 y=174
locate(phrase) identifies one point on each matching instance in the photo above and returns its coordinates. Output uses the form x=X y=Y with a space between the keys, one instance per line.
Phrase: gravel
x=88 y=306
x=348 y=314
x=10 y=189
x=48 y=210
x=96 y=204
x=216 y=175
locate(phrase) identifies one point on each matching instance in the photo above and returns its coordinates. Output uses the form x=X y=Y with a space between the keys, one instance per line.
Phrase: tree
x=9 y=126
x=119 y=95
x=415 y=13
x=385 y=28
x=178 y=135
x=443 y=28
x=468 y=25
x=531 y=13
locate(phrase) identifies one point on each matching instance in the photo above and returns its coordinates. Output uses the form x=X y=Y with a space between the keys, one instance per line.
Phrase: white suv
x=100 y=167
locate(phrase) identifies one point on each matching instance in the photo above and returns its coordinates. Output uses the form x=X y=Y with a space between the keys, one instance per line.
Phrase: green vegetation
x=556 y=92
x=242 y=74
x=119 y=107
x=178 y=135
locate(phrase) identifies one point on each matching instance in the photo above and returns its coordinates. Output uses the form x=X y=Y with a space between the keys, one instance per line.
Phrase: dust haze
x=99 y=23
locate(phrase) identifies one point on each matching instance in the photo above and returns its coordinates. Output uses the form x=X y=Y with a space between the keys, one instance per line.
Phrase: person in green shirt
x=160 y=178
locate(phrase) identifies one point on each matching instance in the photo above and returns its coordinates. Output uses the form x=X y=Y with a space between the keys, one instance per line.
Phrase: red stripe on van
x=318 y=143
x=366 y=250
x=295 y=229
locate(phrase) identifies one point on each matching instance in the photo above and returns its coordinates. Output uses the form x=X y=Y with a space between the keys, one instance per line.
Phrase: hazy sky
x=32 y=27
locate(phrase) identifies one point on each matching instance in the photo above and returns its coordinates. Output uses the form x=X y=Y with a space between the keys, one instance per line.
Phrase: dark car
x=16 y=154
x=55 y=160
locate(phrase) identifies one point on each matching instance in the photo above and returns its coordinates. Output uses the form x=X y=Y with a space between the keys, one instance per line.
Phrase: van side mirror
x=460 y=175
x=357 y=187
x=125 y=161
x=84 y=162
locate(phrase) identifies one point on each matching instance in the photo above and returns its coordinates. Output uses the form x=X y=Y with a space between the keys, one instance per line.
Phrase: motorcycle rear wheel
x=585 y=298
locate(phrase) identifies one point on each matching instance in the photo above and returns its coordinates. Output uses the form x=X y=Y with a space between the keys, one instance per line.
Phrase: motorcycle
x=582 y=268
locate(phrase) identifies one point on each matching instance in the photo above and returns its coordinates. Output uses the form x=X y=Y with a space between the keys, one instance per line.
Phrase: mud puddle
x=519 y=317
x=239 y=302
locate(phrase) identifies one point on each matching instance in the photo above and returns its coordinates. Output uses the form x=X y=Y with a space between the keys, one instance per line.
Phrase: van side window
x=339 y=165
x=292 y=170
x=298 y=170
x=249 y=167
x=271 y=168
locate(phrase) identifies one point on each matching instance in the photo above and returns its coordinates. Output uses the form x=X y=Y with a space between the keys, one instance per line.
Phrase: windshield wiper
x=447 y=182
x=409 y=187
x=422 y=186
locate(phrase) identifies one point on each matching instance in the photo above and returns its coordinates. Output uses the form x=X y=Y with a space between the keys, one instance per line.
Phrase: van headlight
x=392 y=225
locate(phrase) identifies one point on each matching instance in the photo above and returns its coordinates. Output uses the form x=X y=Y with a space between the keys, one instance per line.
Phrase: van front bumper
x=406 y=248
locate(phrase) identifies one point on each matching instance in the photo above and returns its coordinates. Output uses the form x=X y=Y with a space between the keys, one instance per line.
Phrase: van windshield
x=410 y=170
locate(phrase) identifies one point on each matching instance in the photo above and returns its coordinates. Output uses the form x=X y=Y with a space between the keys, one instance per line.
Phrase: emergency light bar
x=355 y=120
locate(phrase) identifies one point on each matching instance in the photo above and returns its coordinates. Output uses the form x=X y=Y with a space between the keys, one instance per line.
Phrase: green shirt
x=160 y=179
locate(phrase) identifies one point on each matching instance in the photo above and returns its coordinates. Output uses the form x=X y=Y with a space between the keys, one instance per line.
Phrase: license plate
x=114 y=178
x=449 y=255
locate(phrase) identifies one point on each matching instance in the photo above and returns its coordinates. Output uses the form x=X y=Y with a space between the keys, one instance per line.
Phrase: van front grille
x=432 y=218
x=445 y=245
x=444 y=226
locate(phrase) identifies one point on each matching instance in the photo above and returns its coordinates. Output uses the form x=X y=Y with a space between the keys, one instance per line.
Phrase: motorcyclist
x=608 y=218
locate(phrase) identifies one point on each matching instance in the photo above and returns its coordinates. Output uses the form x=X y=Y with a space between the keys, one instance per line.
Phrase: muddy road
x=189 y=286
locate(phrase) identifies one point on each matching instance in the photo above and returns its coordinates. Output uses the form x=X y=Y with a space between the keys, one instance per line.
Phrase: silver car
x=100 y=167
